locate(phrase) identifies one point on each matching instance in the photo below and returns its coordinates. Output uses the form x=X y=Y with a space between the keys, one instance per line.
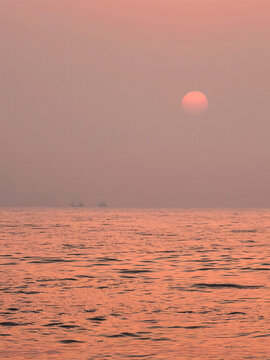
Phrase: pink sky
x=91 y=102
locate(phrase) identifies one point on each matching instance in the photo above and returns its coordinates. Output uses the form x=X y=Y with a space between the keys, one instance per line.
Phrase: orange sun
x=195 y=103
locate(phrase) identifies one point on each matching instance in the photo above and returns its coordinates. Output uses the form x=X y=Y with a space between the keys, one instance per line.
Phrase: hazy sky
x=90 y=102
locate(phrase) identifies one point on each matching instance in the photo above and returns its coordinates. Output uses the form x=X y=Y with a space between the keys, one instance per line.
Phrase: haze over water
x=90 y=103
x=134 y=284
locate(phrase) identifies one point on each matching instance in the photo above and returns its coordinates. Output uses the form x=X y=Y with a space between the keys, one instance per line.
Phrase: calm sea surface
x=134 y=284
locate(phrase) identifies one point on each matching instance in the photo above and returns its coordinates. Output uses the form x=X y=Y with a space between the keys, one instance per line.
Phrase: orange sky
x=91 y=102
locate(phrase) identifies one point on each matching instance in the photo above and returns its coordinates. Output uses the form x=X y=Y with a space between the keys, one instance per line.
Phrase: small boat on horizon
x=102 y=204
x=77 y=205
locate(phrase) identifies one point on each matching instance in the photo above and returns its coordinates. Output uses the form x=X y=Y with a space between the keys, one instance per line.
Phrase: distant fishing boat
x=102 y=204
x=77 y=205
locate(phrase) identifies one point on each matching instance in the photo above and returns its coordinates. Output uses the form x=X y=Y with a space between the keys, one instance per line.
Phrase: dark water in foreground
x=111 y=284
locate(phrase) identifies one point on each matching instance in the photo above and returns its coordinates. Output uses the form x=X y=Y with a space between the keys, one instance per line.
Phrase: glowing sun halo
x=195 y=103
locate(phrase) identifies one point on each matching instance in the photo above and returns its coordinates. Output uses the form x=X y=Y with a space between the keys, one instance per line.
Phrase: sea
x=79 y=283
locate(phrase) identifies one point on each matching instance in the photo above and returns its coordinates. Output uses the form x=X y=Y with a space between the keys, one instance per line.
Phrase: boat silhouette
x=102 y=204
x=77 y=204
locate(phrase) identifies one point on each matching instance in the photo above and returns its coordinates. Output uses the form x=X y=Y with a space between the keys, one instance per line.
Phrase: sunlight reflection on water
x=125 y=284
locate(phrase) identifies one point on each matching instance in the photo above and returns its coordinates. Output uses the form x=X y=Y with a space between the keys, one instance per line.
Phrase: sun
x=195 y=103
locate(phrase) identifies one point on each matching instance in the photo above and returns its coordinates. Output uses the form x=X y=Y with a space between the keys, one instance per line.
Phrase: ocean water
x=134 y=284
